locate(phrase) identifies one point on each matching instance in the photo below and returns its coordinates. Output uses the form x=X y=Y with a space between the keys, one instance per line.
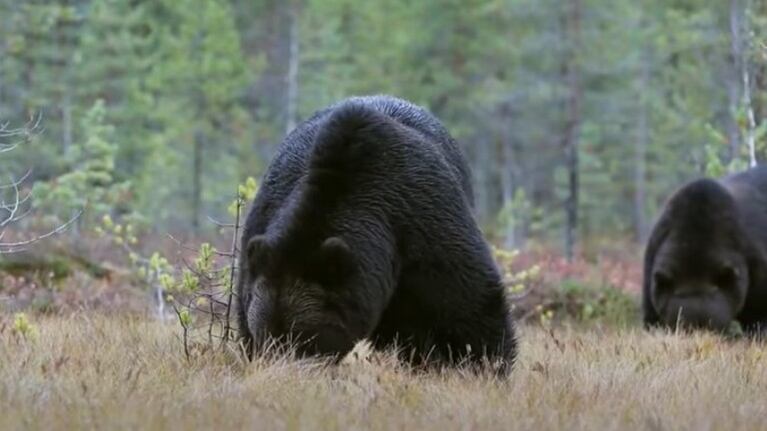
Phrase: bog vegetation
x=85 y=372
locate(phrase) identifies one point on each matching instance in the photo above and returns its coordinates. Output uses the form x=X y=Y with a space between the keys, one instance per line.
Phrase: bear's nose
x=695 y=320
x=274 y=325
x=691 y=315
x=265 y=322
x=324 y=340
x=695 y=290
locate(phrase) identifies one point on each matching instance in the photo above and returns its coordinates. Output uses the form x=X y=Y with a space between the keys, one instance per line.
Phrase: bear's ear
x=259 y=252
x=335 y=259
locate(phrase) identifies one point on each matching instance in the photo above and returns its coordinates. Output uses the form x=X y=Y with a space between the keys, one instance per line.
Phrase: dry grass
x=126 y=373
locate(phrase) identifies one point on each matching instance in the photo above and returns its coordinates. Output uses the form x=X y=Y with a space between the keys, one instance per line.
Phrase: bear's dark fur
x=705 y=262
x=363 y=229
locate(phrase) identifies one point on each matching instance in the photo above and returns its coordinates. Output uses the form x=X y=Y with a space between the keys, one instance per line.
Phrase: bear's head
x=305 y=298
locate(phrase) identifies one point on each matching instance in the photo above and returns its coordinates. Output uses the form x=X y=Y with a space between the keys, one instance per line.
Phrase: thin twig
x=11 y=208
x=186 y=337
x=233 y=267
x=189 y=248
x=221 y=224
x=16 y=183
x=9 y=247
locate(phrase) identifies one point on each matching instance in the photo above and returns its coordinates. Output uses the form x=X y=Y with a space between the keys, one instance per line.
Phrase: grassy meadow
x=117 y=372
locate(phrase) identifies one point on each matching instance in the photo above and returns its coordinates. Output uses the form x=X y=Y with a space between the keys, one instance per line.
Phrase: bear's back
x=292 y=161
x=749 y=189
x=296 y=147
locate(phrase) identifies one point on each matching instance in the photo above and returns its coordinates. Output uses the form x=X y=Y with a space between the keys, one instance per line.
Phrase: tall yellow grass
x=106 y=372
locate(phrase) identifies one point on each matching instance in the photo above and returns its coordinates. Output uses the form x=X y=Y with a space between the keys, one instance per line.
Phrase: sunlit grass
x=106 y=372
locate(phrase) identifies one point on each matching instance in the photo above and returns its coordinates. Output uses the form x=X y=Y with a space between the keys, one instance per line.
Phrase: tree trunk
x=572 y=123
x=66 y=116
x=640 y=149
x=197 y=180
x=507 y=177
x=507 y=189
x=751 y=120
x=481 y=175
x=733 y=79
x=3 y=60
x=61 y=45
x=292 y=77
x=199 y=133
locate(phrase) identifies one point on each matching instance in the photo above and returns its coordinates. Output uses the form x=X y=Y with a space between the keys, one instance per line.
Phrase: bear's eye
x=726 y=277
x=662 y=280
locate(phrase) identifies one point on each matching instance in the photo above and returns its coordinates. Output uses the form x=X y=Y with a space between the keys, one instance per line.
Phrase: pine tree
x=89 y=181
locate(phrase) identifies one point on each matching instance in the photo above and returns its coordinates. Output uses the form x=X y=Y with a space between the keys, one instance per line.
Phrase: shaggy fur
x=363 y=228
x=705 y=260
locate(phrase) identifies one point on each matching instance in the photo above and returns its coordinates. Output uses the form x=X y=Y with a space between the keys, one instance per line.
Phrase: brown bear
x=705 y=263
x=363 y=229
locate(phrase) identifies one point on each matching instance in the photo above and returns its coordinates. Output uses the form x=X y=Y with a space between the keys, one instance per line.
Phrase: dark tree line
x=578 y=118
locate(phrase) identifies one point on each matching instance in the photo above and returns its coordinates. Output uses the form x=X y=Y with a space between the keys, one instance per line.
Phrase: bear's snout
x=277 y=326
x=698 y=312
x=326 y=340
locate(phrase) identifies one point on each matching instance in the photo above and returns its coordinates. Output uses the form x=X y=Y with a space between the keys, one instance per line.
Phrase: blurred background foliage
x=578 y=117
x=167 y=105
